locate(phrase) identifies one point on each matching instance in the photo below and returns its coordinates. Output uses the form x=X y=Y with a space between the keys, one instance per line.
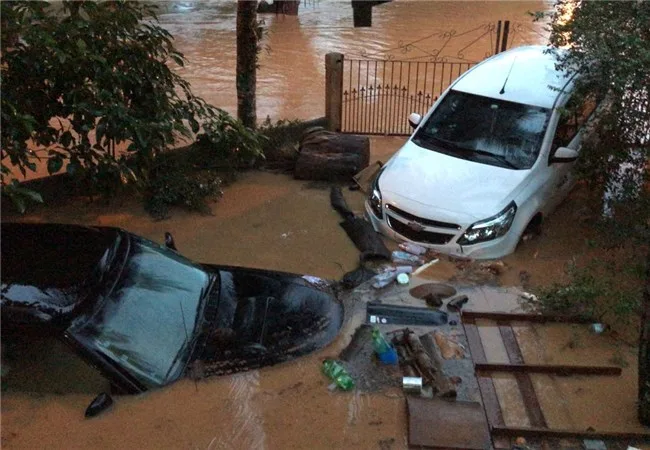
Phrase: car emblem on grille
x=415 y=226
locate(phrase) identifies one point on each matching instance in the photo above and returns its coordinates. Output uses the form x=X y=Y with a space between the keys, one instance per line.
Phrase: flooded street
x=271 y=221
x=274 y=222
x=291 y=78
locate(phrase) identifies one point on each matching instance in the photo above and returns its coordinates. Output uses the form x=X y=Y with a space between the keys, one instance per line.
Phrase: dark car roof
x=48 y=267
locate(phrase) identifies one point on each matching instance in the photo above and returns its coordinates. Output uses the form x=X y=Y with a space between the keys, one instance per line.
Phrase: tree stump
x=329 y=156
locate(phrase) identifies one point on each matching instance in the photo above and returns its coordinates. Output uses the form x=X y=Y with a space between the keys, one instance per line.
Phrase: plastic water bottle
x=337 y=373
x=399 y=257
x=383 y=279
x=385 y=352
x=379 y=343
x=413 y=248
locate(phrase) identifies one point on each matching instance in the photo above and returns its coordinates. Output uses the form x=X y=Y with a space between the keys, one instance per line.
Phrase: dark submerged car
x=145 y=316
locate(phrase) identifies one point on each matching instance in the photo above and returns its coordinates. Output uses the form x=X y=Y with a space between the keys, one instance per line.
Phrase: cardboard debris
x=449 y=348
x=367 y=175
x=437 y=423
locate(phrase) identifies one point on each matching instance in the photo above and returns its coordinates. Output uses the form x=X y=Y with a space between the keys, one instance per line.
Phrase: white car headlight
x=375 y=198
x=491 y=228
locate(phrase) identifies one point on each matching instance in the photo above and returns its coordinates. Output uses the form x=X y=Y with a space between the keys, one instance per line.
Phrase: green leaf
x=32 y=195
x=72 y=168
x=194 y=124
x=19 y=203
x=66 y=139
x=54 y=164
x=81 y=45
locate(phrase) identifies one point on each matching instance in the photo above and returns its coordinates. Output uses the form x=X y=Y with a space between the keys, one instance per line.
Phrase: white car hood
x=435 y=185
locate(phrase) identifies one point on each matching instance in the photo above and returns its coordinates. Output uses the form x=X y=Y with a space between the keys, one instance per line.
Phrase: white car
x=491 y=159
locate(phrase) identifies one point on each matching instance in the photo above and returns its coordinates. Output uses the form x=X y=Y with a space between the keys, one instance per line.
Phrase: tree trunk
x=246 y=61
x=644 y=353
x=287 y=7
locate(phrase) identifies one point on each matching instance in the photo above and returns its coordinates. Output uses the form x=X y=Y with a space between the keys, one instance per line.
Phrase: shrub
x=229 y=143
x=174 y=181
x=603 y=290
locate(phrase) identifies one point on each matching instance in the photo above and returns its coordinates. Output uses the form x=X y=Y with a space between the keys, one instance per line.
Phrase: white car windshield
x=485 y=130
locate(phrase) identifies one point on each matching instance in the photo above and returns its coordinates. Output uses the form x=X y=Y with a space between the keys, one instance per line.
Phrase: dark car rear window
x=51 y=258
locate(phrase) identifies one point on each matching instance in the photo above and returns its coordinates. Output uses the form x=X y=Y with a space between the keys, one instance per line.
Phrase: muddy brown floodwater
x=271 y=221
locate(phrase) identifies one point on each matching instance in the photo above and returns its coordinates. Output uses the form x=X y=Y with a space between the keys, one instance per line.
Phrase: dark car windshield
x=146 y=321
x=485 y=130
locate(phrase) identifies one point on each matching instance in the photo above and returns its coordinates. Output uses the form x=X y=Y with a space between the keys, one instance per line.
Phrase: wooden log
x=444 y=386
x=405 y=361
x=323 y=141
x=326 y=166
x=325 y=155
x=441 y=385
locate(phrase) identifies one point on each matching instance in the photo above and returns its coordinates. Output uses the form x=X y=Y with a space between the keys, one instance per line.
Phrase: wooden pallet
x=539 y=427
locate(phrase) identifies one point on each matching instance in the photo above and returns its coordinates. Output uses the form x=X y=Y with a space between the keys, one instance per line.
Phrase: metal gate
x=382 y=94
x=381 y=89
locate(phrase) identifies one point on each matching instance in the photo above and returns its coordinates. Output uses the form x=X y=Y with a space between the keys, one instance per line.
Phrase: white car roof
x=533 y=79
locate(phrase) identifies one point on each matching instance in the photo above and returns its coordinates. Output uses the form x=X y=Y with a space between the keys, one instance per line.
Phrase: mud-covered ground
x=272 y=221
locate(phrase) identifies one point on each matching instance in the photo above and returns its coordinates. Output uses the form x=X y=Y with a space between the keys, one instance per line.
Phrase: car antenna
x=503 y=88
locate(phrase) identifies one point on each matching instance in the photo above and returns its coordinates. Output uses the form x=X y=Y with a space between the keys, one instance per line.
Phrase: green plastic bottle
x=379 y=343
x=336 y=372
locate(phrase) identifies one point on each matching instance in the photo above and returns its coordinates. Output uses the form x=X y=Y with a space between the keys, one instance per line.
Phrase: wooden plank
x=485 y=384
x=528 y=395
x=532 y=432
x=474 y=343
x=470 y=316
x=548 y=368
x=435 y=423
x=490 y=401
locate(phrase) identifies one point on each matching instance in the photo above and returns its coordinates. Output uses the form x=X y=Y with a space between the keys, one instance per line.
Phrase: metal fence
x=378 y=95
x=382 y=87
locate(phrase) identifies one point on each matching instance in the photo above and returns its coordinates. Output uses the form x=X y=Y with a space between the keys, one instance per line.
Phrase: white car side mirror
x=564 y=154
x=414 y=120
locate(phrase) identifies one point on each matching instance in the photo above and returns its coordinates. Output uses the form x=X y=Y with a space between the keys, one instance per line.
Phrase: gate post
x=334 y=90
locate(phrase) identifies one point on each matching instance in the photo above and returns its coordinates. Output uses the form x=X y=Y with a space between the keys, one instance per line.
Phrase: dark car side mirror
x=564 y=155
x=99 y=404
x=414 y=120
x=169 y=241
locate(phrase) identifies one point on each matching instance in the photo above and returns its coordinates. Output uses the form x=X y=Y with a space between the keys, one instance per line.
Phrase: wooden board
x=528 y=395
x=436 y=423
x=471 y=316
x=531 y=432
x=485 y=384
x=367 y=176
x=549 y=368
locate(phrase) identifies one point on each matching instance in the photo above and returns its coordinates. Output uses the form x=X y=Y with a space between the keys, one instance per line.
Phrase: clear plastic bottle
x=383 y=279
x=337 y=373
x=413 y=248
x=400 y=257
